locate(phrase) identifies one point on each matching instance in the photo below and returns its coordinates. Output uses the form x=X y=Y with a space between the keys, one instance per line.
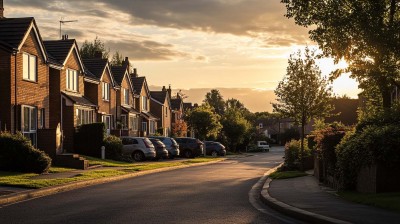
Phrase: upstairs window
x=29 y=67
x=105 y=91
x=144 y=103
x=72 y=80
x=126 y=96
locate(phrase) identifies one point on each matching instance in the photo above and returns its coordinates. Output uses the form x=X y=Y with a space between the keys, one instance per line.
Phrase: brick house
x=100 y=89
x=160 y=106
x=147 y=121
x=24 y=75
x=177 y=111
x=127 y=114
x=69 y=107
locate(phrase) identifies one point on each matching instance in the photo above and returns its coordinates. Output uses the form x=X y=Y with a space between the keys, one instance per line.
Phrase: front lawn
x=119 y=168
x=286 y=174
x=389 y=201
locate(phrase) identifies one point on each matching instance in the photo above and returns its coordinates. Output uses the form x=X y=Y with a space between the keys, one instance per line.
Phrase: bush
x=292 y=154
x=18 y=154
x=113 y=146
x=89 y=139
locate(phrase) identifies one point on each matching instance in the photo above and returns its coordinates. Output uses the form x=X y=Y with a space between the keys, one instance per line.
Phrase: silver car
x=140 y=148
x=171 y=145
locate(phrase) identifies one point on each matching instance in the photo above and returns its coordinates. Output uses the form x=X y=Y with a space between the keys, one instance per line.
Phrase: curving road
x=217 y=193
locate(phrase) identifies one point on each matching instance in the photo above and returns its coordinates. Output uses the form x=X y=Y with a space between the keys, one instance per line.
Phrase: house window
x=29 y=123
x=41 y=117
x=126 y=96
x=144 y=126
x=84 y=116
x=166 y=111
x=124 y=122
x=152 y=127
x=107 y=123
x=134 y=123
x=144 y=103
x=29 y=67
x=72 y=80
x=106 y=91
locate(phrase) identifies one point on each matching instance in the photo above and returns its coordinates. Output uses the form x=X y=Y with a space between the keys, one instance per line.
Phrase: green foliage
x=303 y=94
x=216 y=101
x=289 y=134
x=117 y=59
x=292 y=154
x=89 y=138
x=113 y=145
x=204 y=121
x=89 y=49
x=363 y=32
x=235 y=127
x=18 y=154
x=278 y=175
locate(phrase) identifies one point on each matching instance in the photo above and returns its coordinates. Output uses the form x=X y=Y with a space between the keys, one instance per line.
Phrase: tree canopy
x=216 y=101
x=363 y=32
x=235 y=126
x=204 y=121
x=303 y=94
x=117 y=59
x=90 y=49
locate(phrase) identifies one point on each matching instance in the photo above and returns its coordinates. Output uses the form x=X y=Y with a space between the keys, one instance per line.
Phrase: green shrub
x=113 y=146
x=17 y=154
x=292 y=154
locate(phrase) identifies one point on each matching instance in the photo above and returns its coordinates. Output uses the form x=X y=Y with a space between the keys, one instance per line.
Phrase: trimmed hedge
x=292 y=154
x=89 y=139
x=113 y=146
x=18 y=154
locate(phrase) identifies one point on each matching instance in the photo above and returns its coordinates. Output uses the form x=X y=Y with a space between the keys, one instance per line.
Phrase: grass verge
x=390 y=201
x=286 y=174
x=121 y=168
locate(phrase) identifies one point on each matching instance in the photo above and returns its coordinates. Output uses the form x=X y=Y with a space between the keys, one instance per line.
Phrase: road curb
x=292 y=211
x=36 y=193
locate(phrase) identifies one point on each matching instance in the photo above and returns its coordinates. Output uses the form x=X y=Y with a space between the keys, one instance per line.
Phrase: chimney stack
x=169 y=91
x=134 y=74
x=164 y=89
x=1 y=9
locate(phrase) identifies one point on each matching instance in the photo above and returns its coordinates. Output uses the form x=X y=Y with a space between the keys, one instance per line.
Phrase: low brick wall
x=47 y=141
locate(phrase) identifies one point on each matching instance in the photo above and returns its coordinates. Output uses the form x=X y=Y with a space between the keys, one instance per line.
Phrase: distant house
x=100 y=89
x=127 y=114
x=177 y=111
x=69 y=107
x=24 y=95
x=160 y=106
x=148 y=121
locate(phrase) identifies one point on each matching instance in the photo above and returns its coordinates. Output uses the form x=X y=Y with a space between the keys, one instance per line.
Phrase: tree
x=204 y=121
x=303 y=94
x=90 y=49
x=363 y=32
x=235 y=126
x=117 y=59
x=179 y=129
x=215 y=100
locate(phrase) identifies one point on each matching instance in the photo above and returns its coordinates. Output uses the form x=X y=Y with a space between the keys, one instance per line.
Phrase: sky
x=238 y=46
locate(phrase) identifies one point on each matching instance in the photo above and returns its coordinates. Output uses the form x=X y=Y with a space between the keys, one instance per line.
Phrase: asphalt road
x=217 y=193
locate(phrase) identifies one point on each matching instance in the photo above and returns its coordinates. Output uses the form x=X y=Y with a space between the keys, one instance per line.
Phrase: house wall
x=5 y=90
x=91 y=91
x=32 y=93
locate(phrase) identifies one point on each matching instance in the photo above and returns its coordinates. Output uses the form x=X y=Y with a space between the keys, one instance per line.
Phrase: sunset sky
x=238 y=46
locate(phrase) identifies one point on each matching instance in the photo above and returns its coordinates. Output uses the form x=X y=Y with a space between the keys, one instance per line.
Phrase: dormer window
x=105 y=91
x=29 y=67
x=72 y=80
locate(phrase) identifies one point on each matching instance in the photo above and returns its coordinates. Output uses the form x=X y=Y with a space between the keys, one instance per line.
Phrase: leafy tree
x=216 y=101
x=235 y=126
x=204 y=121
x=303 y=94
x=179 y=129
x=363 y=32
x=117 y=59
x=90 y=49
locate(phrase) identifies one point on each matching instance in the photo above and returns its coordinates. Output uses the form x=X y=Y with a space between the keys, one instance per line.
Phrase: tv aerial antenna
x=62 y=21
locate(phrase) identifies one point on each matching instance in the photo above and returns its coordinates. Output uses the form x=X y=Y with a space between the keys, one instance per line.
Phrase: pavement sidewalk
x=305 y=199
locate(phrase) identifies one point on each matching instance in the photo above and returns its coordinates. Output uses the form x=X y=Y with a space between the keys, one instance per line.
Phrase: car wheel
x=138 y=156
x=214 y=154
x=188 y=154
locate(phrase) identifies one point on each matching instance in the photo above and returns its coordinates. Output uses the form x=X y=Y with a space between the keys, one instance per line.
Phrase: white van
x=263 y=145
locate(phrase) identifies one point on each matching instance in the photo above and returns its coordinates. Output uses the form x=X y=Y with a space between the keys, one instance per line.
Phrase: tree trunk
x=303 y=124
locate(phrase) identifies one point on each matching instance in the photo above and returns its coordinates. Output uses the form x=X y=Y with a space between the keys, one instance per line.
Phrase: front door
x=107 y=123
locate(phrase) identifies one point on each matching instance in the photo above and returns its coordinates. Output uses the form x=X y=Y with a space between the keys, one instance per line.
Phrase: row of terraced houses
x=46 y=86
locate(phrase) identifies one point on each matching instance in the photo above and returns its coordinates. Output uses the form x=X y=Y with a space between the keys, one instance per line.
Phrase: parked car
x=161 y=150
x=171 y=145
x=263 y=146
x=190 y=147
x=214 y=148
x=140 y=148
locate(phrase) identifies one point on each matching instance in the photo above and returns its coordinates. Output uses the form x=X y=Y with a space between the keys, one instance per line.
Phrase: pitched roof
x=138 y=83
x=160 y=96
x=95 y=66
x=176 y=103
x=118 y=73
x=13 y=30
x=58 y=50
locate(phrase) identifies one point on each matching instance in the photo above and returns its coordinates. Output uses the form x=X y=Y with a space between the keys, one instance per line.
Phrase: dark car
x=214 y=148
x=171 y=145
x=190 y=147
x=161 y=150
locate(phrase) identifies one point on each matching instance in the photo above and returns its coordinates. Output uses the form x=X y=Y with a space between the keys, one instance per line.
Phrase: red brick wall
x=55 y=98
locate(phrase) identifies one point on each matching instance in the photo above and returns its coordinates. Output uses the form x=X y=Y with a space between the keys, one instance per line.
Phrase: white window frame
x=134 y=123
x=126 y=96
x=124 y=122
x=31 y=131
x=105 y=91
x=29 y=70
x=109 y=123
x=152 y=127
x=84 y=116
x=72 y=80
x=145 y=106
x=144 y=126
